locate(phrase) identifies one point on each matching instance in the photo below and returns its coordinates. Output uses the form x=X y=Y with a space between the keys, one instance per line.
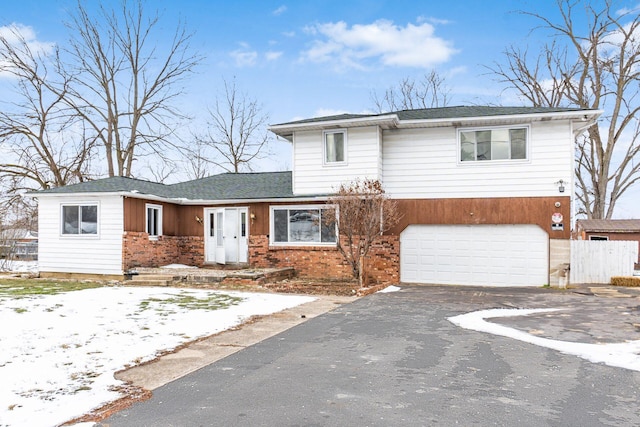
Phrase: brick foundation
x=383 y=260
x=139 y=251
x=314 y=262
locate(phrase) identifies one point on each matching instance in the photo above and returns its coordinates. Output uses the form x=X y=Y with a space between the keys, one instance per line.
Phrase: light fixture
x=561 y=185
x=198 y=219
x=252 y=216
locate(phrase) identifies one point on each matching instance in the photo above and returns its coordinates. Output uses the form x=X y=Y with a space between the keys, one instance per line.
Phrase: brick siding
x=314 y=262
x=383 y=261
x=139 y=251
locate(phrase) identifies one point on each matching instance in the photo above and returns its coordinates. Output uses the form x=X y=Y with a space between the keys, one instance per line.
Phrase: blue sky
x=308 y=58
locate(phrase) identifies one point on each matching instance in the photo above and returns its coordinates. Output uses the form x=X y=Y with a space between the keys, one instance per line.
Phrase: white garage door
x=498 y=255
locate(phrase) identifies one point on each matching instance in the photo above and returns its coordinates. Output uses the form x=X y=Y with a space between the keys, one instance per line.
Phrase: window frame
x=475 y=161
x=272 y=216
x=80 y=234
x=158 y=224
x=598 y=238
x=325 y=133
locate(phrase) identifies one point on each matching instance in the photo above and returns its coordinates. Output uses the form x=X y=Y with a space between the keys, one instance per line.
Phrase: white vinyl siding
x=424 y=163
x=89 y=254
x=313 y=176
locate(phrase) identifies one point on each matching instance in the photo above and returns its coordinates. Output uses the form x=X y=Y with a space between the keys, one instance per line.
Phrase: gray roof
x=442 y=113
x=610 y=225
x=226 y=186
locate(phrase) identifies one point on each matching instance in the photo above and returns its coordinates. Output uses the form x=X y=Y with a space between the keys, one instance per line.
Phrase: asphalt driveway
x=394 y=359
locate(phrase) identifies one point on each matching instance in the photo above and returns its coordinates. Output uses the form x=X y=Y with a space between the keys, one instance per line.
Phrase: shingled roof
x=610 y=225
x=226 y=186
x=442 y=113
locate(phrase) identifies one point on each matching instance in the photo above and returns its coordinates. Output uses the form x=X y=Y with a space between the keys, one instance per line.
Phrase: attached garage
x=495 y=255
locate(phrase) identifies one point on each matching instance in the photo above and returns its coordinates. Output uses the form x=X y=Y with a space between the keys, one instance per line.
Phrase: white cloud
x=390 y=44
x=16 y=34
x=273 y=55
x=279 y=11
x=326 y=112
x=289 y=33
x=244 y=58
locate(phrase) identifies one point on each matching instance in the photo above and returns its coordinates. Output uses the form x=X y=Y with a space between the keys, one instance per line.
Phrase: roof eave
x=286 y=130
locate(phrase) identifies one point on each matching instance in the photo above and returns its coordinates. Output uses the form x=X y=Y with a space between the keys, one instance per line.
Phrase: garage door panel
x=502 y=255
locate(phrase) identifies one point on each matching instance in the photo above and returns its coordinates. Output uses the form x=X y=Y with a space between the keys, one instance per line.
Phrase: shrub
x=625 y=281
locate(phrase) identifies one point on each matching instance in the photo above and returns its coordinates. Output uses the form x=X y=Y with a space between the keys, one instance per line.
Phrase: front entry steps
x=196 y=276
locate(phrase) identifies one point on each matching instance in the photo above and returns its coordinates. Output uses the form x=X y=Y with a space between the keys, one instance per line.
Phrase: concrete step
x=152 y=282
x=144 y=277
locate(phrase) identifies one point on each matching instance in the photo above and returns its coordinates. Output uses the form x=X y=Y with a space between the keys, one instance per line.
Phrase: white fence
x=596 y=261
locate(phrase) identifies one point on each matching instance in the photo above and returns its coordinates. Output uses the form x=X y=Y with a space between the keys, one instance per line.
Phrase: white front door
x=226 y=235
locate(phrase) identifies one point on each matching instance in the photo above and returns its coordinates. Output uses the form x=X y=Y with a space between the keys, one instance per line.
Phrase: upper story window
x=335 y=147
x=493 y=144
x=80 y=219
x=154 y=220
x=303 y=225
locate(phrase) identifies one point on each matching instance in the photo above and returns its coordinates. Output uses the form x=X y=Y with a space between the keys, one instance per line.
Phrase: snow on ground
x=622 y=355
x=391 y=288
x=17 y=266
x=59 y=353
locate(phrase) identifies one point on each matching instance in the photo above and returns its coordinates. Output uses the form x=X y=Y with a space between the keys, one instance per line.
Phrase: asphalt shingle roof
x=613 y=225
x=442 y=113
x=226 y=186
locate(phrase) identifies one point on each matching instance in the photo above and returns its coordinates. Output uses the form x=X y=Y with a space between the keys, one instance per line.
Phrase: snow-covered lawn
x=58 y=353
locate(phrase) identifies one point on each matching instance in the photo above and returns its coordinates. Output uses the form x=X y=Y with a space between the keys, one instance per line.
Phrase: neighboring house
x=19 y=243
x=609 y=229
x=485 y=192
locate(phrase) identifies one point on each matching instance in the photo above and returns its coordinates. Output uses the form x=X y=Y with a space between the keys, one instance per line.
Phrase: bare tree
x=429 y=92
x=43 y=143
x=237 y=133
x=594 y=68
x=364 y=213
x=123 y=86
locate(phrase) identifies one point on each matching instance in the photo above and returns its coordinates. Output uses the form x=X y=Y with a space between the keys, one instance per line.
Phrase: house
x=18 y=243
x=609 y=229
x=486 y=196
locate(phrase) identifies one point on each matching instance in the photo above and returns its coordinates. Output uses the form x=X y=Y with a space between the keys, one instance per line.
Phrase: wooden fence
x=596 y=261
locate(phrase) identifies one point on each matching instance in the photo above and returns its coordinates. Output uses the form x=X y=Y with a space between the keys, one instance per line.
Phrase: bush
x=625 y=281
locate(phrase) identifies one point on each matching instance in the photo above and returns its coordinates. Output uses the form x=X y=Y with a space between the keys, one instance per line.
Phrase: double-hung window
x=303 y=225
x=154 y=220
x=335 y=147
x=80 y=219
x=493 y=144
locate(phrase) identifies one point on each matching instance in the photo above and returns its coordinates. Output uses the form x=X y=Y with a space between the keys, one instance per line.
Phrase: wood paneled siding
x=424 y=163
x=313 y=177
x=513 y=210
x=84 y=254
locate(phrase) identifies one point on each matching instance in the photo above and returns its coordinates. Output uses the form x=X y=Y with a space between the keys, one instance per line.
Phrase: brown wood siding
x=508 y=210
x=135 y=216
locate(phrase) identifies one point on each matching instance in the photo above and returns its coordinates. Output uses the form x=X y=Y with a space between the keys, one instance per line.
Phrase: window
x=154 y=220
x=493 y=144
x=598 y=238
x=303 y=225
x=80 y=219
x=335 y=144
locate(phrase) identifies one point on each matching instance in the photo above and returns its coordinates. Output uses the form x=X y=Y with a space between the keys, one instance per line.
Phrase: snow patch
x=388 y=289
x=621 y=355
x=60 y=352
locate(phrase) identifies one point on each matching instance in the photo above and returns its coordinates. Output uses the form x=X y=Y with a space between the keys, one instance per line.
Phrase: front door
x=226 y=235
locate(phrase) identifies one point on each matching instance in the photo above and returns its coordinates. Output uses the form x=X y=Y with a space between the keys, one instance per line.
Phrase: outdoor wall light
x=198 y=219
x=252 y=216
x=561 y=185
